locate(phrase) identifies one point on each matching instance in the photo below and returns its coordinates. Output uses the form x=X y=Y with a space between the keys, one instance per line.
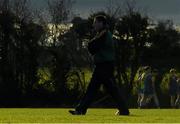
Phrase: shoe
x=122 y=112
x=74 y=112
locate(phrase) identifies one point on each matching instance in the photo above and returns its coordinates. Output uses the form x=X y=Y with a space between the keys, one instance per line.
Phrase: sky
x=156 y=9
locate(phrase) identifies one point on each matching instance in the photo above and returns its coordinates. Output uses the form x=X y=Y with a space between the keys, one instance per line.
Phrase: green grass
x=93 y=116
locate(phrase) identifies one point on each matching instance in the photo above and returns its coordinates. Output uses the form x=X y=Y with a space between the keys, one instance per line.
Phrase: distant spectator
x=147 y=87
x=172 y=86
x=154 y=95
x=140 y=85
x=149 y=92
x=177 y=102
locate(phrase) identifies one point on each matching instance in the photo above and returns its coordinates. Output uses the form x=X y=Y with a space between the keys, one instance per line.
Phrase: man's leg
x=156 y=100
x=140 y=95
x=172 y=101
x=149 y=99
x=177 y=103
x=107 y=78
x=92 y=89
x=138 y=100
x=143 y=102
x=117 y=95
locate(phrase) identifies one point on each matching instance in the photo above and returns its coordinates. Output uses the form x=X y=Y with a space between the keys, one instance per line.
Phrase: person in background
x=148 y=87
x=177 y=102
x=140 y=85
x=154 y=95
x=149 y=91
x=172 y=86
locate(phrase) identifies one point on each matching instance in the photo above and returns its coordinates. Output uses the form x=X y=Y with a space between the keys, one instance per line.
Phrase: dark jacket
x=102 y=47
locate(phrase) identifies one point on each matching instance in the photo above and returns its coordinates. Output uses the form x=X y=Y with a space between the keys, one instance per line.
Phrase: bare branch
x=4 y=5
x=59 y=10
x=22 y=9
x=114 y=8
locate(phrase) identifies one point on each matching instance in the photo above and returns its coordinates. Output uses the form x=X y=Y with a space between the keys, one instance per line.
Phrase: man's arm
x=96 y=43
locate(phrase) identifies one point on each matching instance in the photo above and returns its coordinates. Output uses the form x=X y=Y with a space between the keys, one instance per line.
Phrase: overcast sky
x=157 y=9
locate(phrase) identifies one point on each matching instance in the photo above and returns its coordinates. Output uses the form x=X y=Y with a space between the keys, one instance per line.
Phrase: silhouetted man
x=102 y=49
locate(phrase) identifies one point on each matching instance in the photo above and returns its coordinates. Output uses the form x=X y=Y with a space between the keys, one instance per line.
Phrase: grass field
x=93 y=116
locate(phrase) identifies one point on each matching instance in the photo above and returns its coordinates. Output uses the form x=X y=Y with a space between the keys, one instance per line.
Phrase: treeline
x=44 y=61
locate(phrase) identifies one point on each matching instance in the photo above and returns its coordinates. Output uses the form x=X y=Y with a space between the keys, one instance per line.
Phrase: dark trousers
x=103 y=74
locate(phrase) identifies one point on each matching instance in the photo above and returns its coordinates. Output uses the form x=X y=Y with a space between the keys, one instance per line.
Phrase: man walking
x=102 y=49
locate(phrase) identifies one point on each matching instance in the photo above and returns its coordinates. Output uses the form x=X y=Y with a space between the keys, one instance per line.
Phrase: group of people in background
x=147 y=88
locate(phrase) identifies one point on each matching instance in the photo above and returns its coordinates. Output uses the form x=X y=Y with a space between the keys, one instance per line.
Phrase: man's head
x=100 y=22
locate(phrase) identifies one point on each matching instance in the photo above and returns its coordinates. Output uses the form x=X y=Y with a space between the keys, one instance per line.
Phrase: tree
x=164 y=49
x=22 y=9
x=59 y=12
x=19 y=52
x=131 y=33
x=6 y=73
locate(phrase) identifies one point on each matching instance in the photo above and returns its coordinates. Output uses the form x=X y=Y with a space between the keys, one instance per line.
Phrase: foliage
x=164 y=49
x=19 y=52
x=131 y=34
